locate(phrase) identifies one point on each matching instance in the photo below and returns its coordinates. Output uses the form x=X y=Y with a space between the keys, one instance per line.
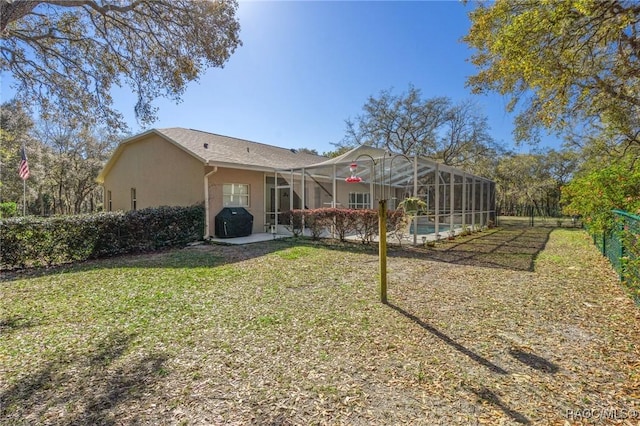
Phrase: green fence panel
x=621 y=245
x=613 y=247
x=629 y=231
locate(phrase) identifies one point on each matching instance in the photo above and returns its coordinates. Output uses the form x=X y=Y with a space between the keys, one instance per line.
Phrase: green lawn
x=513 y=325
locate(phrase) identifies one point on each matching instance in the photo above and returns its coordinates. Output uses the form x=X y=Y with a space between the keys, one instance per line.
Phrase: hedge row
x=30 y=241
x=344 y=222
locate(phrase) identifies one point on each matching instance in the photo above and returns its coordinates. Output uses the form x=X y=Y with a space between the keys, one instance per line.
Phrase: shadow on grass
x=486 y=395
x=82 y=390
x=11 y=324
x=514 y=247
x=449 y=341
x=534 y=361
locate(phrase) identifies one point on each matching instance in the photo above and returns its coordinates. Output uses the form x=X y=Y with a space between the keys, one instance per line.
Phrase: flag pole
x=23 y=172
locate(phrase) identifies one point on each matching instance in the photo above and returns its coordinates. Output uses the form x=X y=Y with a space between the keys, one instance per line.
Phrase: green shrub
x=596 y=194
x=29 y=241
x=8 y=209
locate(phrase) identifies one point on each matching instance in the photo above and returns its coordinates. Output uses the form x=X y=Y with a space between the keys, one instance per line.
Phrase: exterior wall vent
x=206 y=146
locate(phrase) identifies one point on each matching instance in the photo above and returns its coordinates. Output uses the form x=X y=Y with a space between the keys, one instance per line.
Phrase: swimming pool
x=427 y=228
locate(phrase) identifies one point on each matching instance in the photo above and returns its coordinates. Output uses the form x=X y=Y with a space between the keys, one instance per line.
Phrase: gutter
x=207 y=213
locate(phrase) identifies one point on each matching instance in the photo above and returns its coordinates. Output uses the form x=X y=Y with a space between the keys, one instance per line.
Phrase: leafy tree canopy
x=594 y=194
x=571 y=64
x=66 y=55
x=15 y=128
x=454 y=134
x=308 y=151
x=337 y=152
x=70 y=160
x=533 y=179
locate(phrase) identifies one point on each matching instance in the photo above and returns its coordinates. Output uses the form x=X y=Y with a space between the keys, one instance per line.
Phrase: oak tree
x=15 y=131
x=564 y=65
x=70 y=160
x=454 y=134
x=533 y=180
x=65 y=56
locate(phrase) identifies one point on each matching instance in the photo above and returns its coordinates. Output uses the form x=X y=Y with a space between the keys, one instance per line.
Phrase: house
x=181 y=167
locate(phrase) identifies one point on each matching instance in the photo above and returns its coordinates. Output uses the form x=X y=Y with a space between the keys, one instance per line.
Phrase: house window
x=134 y=200
x=235 y=194
x=109 y=204
x=359 y=200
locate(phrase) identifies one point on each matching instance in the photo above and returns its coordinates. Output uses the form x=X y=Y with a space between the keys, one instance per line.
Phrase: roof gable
x=218 y=150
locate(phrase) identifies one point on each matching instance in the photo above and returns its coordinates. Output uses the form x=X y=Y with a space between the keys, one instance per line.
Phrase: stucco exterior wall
x=161 y=173
x=254 y=179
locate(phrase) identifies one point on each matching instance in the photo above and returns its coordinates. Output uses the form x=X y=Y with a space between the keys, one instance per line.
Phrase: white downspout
x=207 y=212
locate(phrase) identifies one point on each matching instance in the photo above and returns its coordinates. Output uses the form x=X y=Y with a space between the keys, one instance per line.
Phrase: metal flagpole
x=23 y=172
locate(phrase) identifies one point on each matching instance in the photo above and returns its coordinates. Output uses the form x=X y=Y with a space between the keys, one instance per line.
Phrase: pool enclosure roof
x=378 y=166
x=454 y=199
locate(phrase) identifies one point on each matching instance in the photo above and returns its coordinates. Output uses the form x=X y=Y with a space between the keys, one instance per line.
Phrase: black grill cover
x=233 y=222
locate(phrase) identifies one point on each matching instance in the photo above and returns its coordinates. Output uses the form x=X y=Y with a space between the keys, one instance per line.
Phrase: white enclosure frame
x=455 y=199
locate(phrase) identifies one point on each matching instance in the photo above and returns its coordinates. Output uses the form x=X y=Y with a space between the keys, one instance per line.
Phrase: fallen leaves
x=511 y=326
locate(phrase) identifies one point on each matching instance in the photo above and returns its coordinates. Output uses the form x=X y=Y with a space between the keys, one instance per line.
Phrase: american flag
x=23 y=170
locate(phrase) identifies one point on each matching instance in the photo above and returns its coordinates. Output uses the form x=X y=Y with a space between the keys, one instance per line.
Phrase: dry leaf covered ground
x=515 y=325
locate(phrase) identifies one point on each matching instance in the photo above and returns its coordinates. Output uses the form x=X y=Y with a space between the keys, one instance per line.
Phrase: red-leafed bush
x=292 y=220
x=343 y=222
x=366 y=225
x=318 y=221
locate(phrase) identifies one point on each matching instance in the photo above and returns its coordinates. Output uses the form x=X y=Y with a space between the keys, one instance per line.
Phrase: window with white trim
x=109 y=203
x=359 y=200
x=235 y=195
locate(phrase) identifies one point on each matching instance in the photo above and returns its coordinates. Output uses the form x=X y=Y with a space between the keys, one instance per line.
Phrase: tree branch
x=11 y=11
x=103 y=10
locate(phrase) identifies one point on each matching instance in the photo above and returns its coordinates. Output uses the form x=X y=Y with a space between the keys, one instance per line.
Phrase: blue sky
x=305 y=67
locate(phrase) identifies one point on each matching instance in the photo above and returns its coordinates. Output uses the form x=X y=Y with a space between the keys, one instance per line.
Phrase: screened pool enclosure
x=361 y=177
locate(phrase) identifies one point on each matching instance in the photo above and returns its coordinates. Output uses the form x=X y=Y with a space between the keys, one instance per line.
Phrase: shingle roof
x=228 y=150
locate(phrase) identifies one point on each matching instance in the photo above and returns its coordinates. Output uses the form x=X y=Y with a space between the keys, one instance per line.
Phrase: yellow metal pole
x=382 y=248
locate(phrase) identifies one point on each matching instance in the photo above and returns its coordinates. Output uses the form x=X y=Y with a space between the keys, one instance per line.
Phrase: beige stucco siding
x=254 y=179
x=161 y=173
x=342 y=196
